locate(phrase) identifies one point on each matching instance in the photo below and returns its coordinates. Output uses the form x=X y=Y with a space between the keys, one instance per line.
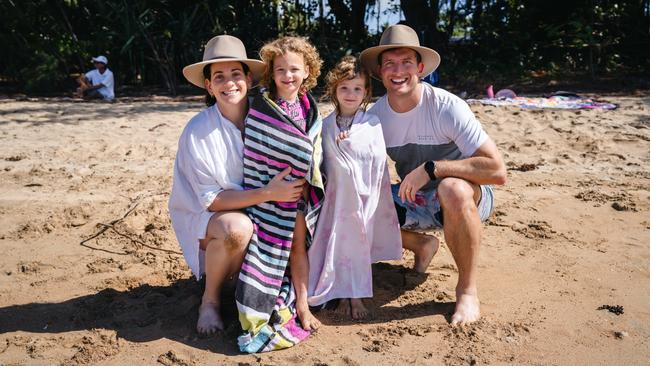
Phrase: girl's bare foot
x=209 y=319
x=344 y=307
x=307 y=319
x=359 y=311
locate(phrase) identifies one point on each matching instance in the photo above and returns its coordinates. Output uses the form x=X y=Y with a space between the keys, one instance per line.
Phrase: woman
x=207 y=196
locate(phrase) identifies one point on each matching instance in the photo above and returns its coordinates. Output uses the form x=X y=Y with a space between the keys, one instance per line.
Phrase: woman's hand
x=282 y=190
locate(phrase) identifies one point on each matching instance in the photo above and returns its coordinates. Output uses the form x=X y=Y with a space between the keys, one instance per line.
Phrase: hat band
x=224 y=57
x=400 y=45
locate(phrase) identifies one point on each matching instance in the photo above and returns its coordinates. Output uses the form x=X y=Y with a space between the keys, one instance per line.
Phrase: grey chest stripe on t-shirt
x=410 y=156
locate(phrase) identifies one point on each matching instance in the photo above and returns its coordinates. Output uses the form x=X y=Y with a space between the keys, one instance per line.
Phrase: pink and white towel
x=358 y=224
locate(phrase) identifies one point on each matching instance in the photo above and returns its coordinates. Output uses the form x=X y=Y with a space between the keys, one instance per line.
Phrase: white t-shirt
x=440 y=127
x=105 y=79
x=209 y=160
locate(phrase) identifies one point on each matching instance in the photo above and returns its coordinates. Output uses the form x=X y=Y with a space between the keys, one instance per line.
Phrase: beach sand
x=90 y=272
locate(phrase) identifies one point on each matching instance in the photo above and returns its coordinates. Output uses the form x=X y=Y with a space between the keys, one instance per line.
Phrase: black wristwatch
x=430 y=168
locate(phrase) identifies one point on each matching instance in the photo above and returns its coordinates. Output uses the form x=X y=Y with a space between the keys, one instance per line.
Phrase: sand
x=90 y=272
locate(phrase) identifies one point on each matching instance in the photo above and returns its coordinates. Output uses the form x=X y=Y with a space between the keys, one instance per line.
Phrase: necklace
x=344 y=123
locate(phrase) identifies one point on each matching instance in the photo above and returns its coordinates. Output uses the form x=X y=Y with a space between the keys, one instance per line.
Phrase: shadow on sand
x=391 y=281
x=146 y=313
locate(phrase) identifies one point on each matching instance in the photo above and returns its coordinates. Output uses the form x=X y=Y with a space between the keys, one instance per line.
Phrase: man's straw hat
x=221 y=49
x=398 y=36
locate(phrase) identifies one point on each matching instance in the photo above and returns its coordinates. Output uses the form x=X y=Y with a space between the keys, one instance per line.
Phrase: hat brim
x=93 y=60
x=430 y=58
x=194 y=72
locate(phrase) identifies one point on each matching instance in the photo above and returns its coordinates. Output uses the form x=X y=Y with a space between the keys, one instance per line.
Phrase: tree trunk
x=423 y=18
x=359 y=31
x=452 y=18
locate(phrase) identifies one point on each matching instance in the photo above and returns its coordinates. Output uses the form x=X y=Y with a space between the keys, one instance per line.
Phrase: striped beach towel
x=264 y=294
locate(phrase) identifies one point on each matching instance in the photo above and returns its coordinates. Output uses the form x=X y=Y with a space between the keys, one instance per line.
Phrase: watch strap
x=430 y=168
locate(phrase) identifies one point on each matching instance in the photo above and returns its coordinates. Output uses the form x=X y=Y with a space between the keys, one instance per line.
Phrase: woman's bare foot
x=209 y=319
x=344 y=307
x=307 y=319
x=467 y=309
x=359 y=311
x=424 y=254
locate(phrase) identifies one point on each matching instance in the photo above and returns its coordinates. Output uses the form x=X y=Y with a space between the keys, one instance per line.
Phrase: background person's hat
x=221 y=49
x=398 y=36
x=101 y=59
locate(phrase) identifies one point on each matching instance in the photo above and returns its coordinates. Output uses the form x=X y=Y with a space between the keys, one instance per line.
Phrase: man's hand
x=281 y=190
x=412 y=183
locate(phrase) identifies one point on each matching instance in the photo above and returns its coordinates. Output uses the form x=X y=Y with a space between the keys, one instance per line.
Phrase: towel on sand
x=553 y=102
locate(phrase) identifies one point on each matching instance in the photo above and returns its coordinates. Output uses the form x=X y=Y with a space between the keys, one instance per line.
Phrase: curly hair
x=347 y=68
x=297 y=45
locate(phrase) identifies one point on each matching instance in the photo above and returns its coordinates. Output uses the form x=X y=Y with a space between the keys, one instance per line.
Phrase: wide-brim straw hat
x=398 y=36
x=222 y=48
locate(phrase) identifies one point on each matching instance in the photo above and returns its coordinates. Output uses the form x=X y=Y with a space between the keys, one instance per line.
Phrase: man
x=98 y=83
x=444 y=157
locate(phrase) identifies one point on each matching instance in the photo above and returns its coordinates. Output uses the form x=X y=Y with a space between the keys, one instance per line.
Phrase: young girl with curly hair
x=358 y=224
x=282 y=135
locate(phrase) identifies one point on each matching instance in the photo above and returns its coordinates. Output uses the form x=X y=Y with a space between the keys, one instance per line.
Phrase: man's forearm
x=477 y=169
x=94 y=87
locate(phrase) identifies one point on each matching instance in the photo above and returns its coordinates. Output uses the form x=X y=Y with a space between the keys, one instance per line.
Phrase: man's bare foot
x=424 y=254
x=467 y=309
x=307 y=319
x=359 y=311
x=343 y=307
x=209 y=319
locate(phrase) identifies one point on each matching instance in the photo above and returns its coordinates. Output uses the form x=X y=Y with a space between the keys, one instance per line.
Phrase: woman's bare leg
x=225 y=244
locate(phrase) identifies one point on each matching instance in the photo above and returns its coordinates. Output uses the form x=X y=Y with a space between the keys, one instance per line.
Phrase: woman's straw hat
x=222 y=49
x=398 y=36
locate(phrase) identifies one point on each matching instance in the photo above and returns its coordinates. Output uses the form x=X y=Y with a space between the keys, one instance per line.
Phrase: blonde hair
x=347 y=68
x=297 y=45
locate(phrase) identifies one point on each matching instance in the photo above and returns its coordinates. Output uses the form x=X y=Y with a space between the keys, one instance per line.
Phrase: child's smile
x=350 y=94
x=289 y=71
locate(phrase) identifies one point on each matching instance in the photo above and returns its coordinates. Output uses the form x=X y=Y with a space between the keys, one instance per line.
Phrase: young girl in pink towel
x=358 y=225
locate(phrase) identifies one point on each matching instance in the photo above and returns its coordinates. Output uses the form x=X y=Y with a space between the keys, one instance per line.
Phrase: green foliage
x=148 y=42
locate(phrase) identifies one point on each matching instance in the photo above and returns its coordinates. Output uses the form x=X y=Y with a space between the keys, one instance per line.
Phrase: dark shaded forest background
x=523 y=42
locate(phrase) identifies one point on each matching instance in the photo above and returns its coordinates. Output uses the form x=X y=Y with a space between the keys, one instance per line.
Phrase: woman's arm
x=278 y=189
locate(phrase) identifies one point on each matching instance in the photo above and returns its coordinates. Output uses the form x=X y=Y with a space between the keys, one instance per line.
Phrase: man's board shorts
x=425 y=212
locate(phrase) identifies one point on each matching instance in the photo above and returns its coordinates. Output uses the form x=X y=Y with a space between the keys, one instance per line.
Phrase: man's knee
x=455 y=193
